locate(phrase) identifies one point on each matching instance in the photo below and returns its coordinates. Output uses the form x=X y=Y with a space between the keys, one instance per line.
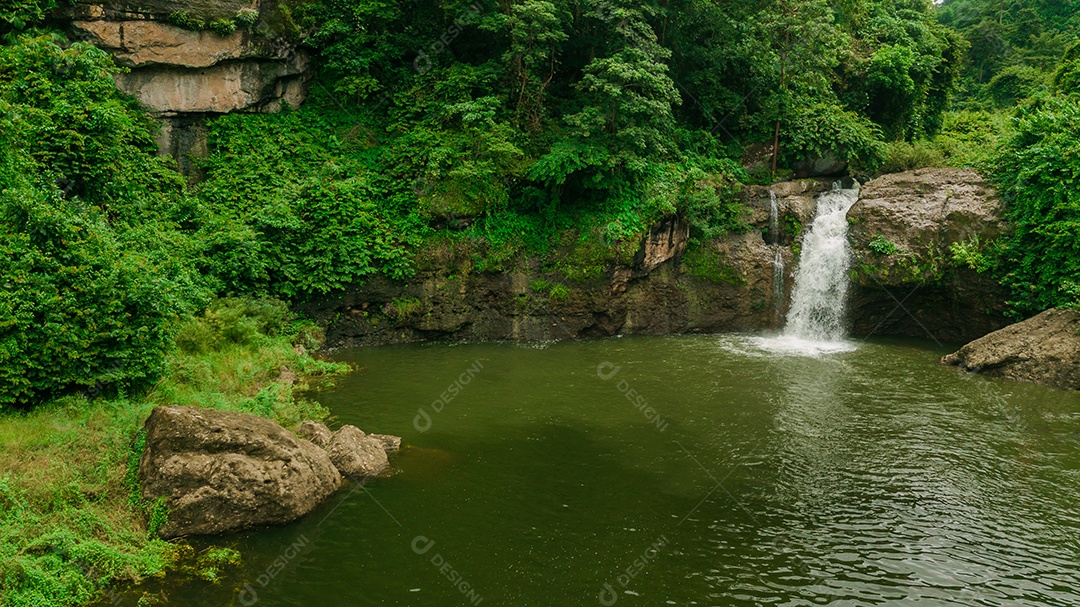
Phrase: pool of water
x=683 y=471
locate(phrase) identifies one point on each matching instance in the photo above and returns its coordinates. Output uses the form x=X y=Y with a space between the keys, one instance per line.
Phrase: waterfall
x=821 y=282
x=815 y=322
x=778 y=278
x=774 y=219
x=778 y=256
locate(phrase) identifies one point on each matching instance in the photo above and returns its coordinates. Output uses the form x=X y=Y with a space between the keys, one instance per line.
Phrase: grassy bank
x=71 y=523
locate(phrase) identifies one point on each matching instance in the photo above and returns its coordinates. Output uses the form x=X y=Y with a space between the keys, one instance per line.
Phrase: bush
x=78 y=307
x=903 y=156
x=1039 y=173
x=823 y=130
x=93 y=273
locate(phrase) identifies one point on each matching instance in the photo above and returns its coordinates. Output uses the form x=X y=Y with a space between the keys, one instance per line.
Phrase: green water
x=871 y=477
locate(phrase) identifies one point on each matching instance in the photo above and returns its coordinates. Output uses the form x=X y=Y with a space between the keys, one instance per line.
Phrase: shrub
x=78 y=307
x=822 y=130
x=93 y=273
x=1038 y=171
x=882 y=246
x=246 y=17
x=903 y=156
x=223 y=27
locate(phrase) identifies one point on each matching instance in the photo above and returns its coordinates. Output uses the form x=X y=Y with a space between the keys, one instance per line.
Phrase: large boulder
x=220 y=471
x=356 y=454
x=907 y=282
x=1044 y=349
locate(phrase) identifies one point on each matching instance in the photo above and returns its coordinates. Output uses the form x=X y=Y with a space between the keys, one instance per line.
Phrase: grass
x=71 y=522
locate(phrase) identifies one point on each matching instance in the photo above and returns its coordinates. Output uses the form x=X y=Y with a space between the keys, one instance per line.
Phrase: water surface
x=684 y=471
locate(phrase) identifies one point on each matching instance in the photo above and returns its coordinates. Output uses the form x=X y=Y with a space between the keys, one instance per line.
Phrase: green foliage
x=72 y=520
x=19 y=14
x=402 y=308
x=246 y=17
x=905 y=156
x=210 y=563
x=223 y=27
x=92 y=284
x=825 y=130
x=186 y=21
x=705 y=263
x=1067 y=76
x=1015 y=46
x=1039 y=172
x=972 y=254
x=293 y=213
x=880 y=245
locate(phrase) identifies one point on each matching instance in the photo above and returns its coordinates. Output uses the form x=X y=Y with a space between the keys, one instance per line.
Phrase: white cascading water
x=821 y=282
x=774 y=219
x=778 y=256
x=815 y=322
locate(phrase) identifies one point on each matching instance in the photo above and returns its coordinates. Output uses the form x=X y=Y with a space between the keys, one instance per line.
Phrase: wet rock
x=826 y=166
x=315 y=432
x=221 y=471
x=356 y=454
x=906 y=279
x=390 y=443
x=1044 y=349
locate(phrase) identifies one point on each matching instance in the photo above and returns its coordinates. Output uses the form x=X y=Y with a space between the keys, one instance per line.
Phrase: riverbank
x=71 y=522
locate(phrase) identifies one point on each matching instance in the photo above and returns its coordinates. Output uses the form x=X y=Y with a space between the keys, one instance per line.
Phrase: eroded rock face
x=740 y=282
x=185 y=76
x=356 y=454
x=667 y=240
x=906 y=281
x=220 y=471
x=1044 y=349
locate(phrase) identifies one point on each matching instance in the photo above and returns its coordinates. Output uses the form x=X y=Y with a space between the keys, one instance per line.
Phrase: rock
x=1044 y=349
x=902 y=229
x=315 y=432
x=356 y=454
x=144 y=43
x=826 y=166
x=665 y=241
x=220 y=471
x=185 y=76
x=390 y=443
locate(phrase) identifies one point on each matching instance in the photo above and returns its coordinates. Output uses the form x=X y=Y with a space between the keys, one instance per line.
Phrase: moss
x=705 y=263
x=402 y=308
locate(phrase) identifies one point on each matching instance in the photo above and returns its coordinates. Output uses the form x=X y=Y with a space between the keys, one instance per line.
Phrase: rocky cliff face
x=905 y=230
x=185 y=65
x=721 y=285
x=742 y=282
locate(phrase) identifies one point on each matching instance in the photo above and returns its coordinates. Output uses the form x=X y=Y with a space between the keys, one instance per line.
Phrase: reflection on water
x=866 y=476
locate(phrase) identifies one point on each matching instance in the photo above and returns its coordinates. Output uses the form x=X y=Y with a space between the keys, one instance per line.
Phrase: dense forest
x=560 y=128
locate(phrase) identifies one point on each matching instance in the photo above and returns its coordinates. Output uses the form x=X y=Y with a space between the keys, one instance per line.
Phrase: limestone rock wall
x=185 y=76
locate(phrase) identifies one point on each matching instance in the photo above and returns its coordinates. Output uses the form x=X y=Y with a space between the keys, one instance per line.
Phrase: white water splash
x=815 y=322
